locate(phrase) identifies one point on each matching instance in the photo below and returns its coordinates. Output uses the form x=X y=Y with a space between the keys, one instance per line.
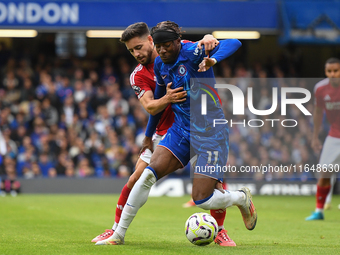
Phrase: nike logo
x=129 y=205
x=164 y=76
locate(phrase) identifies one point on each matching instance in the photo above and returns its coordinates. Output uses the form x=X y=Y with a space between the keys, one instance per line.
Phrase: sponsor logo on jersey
x=332 y=105
x=196 y=51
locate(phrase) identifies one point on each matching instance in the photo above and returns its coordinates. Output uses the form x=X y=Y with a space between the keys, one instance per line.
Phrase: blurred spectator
x=64 y=88
x=39 y=129
x=117 y=101
x=50 y=113
x=83 y=168
x=108 y=76
x=10 y=184
x=45 y=164
x=27 y=92
x=100 y=161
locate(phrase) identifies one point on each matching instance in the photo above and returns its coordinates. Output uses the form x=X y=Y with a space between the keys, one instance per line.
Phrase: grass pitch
x=65 y=224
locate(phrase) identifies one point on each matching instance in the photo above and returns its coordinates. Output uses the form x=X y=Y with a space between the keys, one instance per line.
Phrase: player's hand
x=176 y=95
x=316 y=144
x=209 y=42
x=220 y=187
x=206 y=64
x=146 y=144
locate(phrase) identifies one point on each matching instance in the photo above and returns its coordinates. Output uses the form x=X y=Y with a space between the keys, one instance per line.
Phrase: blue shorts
x=177 y=141
x=212 y=151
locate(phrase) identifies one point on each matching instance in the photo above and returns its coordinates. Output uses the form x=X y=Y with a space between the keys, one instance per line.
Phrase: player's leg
x=330 y=194
x=212 y=157
x=330 y=156
x=219 y=214
x=207 y=197
x=191 y=165
x=142 y=162
x=222 y=237
x=124 y=194
x=140 y=166
x=163 y=162
x=322 y=189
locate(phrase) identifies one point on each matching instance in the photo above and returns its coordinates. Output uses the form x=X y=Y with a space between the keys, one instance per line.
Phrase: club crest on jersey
x=182 y=70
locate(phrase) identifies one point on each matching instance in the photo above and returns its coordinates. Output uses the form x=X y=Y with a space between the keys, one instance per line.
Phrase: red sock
x=121 y=202
x=224 y=185
x=219 y=216
x=321 y=194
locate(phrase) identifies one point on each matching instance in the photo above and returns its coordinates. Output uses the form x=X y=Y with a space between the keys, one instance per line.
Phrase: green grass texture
x=66 y=224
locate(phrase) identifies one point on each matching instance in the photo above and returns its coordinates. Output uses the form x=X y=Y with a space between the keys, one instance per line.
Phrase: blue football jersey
x=184 y=73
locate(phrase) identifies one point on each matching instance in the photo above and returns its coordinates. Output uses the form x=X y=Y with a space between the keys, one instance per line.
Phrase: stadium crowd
x=80 y=117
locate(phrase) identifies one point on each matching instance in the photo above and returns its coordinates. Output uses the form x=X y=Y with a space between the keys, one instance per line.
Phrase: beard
x=146 y=59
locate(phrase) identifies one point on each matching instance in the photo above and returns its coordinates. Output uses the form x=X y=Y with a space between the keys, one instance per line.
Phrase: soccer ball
x=201 y=228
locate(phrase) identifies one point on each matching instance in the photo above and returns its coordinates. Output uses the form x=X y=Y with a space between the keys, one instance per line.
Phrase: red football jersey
x=327 y=97
x=143 y=79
